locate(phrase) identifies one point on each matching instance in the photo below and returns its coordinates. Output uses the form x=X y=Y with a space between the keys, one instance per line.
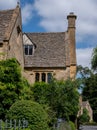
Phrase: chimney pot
x=71 y=20
x=72 y=13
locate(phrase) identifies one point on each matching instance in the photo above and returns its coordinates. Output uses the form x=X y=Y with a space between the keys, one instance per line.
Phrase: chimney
x=71 y=20
x=72 y=42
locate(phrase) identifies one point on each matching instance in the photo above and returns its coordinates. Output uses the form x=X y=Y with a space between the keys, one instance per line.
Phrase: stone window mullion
x=46 y=77
x=40 y=78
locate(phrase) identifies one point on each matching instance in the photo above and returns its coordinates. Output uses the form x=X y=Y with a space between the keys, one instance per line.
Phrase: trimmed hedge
x=31 y=111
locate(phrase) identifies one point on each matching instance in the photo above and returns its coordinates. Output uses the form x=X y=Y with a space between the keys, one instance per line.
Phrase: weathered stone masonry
x=40 y=54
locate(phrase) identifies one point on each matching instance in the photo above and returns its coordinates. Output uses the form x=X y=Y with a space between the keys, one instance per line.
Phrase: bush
x=72 y=125
x=12 y=85
x=31 y=111
x=84 y=118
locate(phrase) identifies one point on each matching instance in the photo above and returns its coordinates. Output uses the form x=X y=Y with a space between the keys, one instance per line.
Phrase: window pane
x=49 y=77
x=30 y=50
x=37 y=77
x=43 y=77
x=26 y=49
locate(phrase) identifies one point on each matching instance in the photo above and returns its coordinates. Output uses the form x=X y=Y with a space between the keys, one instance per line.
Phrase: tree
x=33 y=112
x=10 y=71
x=94 y=59
x=90 y=93
x=84 y=118
x=12 y=85
x=61 y=96
x=40 y=92
x=83 y=72
x=88 y=83
x=64 y=98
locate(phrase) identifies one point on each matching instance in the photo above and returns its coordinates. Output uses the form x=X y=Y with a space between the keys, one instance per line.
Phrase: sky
x=51 y=16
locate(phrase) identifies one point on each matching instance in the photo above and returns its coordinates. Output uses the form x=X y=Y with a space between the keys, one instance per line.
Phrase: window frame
x=37 y=77
x=43 y=77
x=28 y=49
x=49 y=77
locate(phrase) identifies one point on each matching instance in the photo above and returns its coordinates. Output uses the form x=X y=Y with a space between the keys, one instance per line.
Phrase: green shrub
x=12 y=85
x=31 y=111
x=64 y=126
x=72 y=125
x=84 y=118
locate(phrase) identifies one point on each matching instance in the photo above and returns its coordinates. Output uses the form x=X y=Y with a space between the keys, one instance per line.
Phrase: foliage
x=72 y=125
x=7 y=97
x=66 y=126
x=61 y=96
x=82 y=74
x=88 y=82
x=12 y=85
x=10 y=71
x=94 y=59
x=40 y=92
x=90 y=93
x=84 y=117
x=56 y=97
x=31 y=111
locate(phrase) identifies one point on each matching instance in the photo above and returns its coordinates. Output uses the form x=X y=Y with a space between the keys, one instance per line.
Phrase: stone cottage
x=11 y=42
x=85 y=105
x=41 y=55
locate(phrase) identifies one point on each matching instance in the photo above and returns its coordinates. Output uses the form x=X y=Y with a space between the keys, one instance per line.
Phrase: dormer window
x=28 y=49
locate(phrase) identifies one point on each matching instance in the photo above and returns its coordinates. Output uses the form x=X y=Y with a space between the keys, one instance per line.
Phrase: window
x=43 y=77
x=28 y=49
x=37 y=77
x=49 y=77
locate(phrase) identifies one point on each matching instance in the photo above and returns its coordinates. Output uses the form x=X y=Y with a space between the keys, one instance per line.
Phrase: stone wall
x=72 y=72
x=59 y=73
x=15 y=45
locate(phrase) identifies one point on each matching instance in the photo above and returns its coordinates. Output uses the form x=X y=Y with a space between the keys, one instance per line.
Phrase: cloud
x=54 y=14
x=27 y=13
x=27 y=8
x=4 y=4
x=84 y=56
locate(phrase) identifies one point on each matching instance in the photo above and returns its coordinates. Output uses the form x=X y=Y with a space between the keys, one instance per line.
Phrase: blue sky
x=50 y=16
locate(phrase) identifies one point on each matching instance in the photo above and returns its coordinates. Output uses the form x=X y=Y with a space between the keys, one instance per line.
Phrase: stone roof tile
x=50 y=50
x=7 y=20
x=5 y=17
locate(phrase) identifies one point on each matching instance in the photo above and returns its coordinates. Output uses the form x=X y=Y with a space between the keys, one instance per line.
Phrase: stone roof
x=51 y=49
x=7 y=20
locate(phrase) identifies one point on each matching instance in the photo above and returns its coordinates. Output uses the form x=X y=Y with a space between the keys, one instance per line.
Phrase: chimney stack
x=71 y=20
x=72 y=43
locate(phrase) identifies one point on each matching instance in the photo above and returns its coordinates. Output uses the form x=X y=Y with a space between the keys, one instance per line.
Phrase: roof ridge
x=43 y=33
x=6 y=10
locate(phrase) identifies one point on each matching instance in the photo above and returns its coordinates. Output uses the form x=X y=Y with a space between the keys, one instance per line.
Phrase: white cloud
x=7 y=4
x=26 y=9
x=27 y=13
x=54 y=12
x=53 y=15
x=84 y=56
